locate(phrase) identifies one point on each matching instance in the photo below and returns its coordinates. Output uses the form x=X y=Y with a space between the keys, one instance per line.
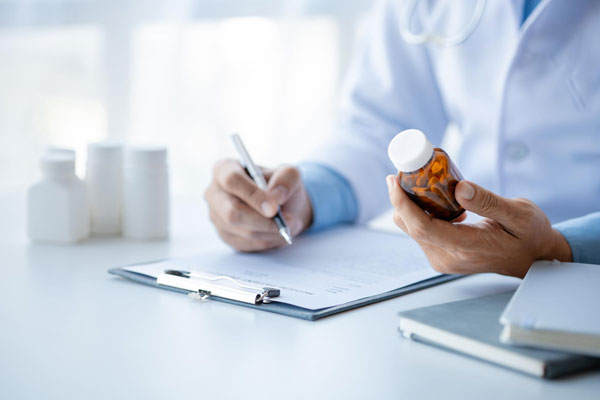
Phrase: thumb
x=483 y=202
x=283 y=183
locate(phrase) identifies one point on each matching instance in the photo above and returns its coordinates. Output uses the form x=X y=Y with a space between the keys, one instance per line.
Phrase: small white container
x=57 y=206
x=145 y=193
x=104 y=179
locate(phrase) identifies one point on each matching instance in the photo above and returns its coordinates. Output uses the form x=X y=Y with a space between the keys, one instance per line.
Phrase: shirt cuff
x=332 y=198
x=583 y=235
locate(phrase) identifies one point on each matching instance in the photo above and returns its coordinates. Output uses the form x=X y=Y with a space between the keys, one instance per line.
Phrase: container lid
x=60 y=151
x=105 y=152
x=410 y=150
x=146 y=156
x=62 y=164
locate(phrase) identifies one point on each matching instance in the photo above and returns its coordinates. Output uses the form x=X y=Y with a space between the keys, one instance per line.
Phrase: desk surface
x=70 y=330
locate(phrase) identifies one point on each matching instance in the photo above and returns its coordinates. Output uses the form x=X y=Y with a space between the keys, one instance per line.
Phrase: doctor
x=521 y=80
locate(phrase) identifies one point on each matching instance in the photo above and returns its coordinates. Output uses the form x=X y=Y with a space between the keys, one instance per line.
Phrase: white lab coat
x=525 y=98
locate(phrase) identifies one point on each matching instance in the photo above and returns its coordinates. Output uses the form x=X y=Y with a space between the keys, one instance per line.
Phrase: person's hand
x=514 y=234
x=242 y=213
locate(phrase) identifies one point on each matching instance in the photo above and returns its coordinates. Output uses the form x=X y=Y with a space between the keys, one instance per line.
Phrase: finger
x=422 y=227
x=400 y=222
x=397 y=216
x=267 y=172
x=293 y=222
x=485 y=203
x=254 y=239
x=407 y=214
x=233 y=179
x=248 y=245
x=232 y=211
x=460 y=218
x=284 y=182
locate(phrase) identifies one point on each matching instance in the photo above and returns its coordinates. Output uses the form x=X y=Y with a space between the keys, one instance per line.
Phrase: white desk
x=70 y=330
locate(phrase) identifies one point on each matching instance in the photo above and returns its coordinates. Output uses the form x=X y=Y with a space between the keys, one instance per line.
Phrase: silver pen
x=258 y=178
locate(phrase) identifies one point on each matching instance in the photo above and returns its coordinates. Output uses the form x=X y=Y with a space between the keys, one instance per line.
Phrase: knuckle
x=398 y=219
x=227 y=238
x=439 y=268
x=418 y=232
x=287 y=174
x=489 y=202
x=444 y=267
x=291 y=172
x=256 y=196
x=236 y=243
x=262 y=244
x=241 y=245
x=232 y=213
x=527 y=207
x=220 y=165
x=231 y=179
x=246 y=234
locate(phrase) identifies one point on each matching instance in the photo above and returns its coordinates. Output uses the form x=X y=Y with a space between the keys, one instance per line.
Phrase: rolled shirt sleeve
x=332 y=198
x=583 y=235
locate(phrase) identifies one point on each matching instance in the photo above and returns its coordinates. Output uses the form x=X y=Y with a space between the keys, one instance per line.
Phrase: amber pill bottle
x=426 y=174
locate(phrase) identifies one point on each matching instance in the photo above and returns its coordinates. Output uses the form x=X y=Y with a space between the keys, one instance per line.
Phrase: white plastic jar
x=57 y=205
x=145 y=193
x=104 y=179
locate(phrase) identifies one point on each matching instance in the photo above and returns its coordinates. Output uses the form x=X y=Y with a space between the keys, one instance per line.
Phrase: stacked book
x=549 y=327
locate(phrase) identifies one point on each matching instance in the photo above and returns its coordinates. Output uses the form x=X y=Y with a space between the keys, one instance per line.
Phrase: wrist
x=307 y=217
x=559 y=248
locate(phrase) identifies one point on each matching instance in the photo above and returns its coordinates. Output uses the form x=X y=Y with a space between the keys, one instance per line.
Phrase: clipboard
x=282 y=308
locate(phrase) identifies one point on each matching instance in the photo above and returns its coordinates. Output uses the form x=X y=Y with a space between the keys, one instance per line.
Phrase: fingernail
x=278 y=193
x=267 y=208
x=465 y=191
x=388 y=180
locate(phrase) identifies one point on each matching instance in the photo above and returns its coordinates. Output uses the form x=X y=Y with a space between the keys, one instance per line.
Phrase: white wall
x=185 y=73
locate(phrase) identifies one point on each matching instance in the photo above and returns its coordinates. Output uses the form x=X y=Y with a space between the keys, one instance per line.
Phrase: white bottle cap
x=146 y=156
x=58 y=164
x=63 y=151
x=105 y=152
x=410 y=150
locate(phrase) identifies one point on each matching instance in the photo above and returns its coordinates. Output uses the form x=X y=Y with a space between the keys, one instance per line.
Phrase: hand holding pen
x=243 y=213
x=257 y=176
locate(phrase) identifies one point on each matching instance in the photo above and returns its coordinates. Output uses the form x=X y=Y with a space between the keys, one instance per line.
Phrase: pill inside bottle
x=426 y=174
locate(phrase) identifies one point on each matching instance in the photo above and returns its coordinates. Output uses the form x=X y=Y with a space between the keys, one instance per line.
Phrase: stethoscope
x=432 y=37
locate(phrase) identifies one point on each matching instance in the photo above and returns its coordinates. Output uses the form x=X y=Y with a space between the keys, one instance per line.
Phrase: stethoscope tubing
x=443 y=41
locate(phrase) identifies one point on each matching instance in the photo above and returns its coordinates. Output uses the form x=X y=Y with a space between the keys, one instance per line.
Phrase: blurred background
x=185 y=73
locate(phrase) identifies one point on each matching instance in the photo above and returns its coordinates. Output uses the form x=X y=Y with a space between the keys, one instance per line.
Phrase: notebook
x=471 y=327
x=321 y=274
x=556 y=307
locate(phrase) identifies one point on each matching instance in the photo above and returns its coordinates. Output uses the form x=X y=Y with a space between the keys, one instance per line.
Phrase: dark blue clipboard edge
x=295 y=311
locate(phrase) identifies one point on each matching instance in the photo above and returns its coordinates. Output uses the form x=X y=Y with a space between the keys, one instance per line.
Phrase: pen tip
x=286 y=235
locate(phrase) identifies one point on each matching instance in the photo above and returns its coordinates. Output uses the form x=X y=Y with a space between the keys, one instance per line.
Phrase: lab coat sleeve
x=390 y=87
x=583 y=235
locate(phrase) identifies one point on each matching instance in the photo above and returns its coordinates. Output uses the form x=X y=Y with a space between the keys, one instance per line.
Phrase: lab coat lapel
x=551 y=24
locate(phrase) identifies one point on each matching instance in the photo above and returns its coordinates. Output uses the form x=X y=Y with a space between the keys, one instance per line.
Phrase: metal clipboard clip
x=202 y=286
